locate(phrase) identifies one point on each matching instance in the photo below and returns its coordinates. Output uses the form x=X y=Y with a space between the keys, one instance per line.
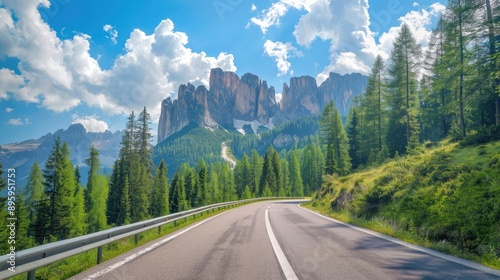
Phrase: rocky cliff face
x=341 y=89
x=251 y=100
x=300 y=98
x=191 y=106
x=229 y=98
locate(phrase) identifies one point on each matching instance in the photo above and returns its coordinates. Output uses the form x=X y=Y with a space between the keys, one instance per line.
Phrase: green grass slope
x=447 y=198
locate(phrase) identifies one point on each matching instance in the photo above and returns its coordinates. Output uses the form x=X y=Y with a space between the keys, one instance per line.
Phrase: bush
x=483 y=135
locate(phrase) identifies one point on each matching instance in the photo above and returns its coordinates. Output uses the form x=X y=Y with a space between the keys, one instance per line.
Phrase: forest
x=449 y=92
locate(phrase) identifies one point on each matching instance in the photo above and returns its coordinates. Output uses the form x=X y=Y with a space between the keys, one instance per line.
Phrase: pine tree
x=297 y=188
x=123 y=217
x=99 y=195
x=138 y=194
x=113 y=202
x=271 y=174
x=402 y=98
x=255 y=171
x=60 y=185
x=23 y=239
x=334 y=139
x=354 y=134
x=34 y=191
x=159 y=197
x=94 y=165
x=178 y=200
x=203 y=189
x=242 y=173
x=78 y=216
x=371 y=114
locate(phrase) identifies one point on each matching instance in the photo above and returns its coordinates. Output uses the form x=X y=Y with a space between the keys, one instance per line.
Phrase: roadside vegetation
x=447 y=198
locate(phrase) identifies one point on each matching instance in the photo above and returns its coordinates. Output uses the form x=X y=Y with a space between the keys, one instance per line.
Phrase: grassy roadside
x=385 y=227
x=74 y=265
x=446 y=198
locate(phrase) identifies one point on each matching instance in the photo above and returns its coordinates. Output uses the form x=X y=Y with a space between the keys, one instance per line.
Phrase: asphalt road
x=303 y=245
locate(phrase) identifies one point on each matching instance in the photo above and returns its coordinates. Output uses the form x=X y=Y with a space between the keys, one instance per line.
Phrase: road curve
x=238 y=244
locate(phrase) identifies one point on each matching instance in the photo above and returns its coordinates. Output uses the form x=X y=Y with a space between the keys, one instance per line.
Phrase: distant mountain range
x=230 y=108
x=231 y=103
x=23 y=155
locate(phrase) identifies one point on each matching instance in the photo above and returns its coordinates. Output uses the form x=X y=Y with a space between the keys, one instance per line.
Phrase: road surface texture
x=280 y=240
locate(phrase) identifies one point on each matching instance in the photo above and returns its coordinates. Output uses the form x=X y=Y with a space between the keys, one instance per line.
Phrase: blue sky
x=93 y=62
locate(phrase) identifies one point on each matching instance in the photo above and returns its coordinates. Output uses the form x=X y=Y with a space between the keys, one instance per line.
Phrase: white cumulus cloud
x=347 y=26
x=271 y=17
x=19 y=121
x=112 y=32
x=8 y=110
x=281 y=52
x=91 y=123
x=61 y=74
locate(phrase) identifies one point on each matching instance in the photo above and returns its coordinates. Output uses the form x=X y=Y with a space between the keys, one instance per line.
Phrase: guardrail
x=31 y=259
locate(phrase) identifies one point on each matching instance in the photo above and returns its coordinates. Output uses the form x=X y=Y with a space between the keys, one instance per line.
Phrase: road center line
x=285 y=265
x=143 y=251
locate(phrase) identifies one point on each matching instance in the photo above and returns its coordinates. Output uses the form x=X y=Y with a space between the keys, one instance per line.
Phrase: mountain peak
x=249 y=99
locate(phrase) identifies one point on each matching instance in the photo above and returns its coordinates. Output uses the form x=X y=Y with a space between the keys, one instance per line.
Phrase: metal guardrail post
x=99 y=254
x=31 y=275
x=136 y=237
x=159 y=229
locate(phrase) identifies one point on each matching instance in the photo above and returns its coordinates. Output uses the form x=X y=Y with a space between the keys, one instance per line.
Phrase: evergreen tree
x=23 y=239
x=255 y=171
x=242 y=173
x=271 y=174
x=297 y=188
x=247 y=194
x=371 y=114
x=334 y=139
x=139 y=190
x=203 y=189
x=34 y=190
x=123 y=215
x=178 y=200
x=78 y=216
x=60 y=185
x=353 y=134
x=94 y=165
x=99 y=195
x=113 y=202
x=402 y=99
x=159 y=197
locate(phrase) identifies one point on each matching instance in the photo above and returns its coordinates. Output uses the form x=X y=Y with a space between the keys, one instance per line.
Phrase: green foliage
x=159 y=196
x=97 y=219
x=449 y=194
x=335 y=142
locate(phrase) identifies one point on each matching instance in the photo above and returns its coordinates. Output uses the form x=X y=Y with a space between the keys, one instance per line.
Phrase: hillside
x=447 y=198
x=194 y=142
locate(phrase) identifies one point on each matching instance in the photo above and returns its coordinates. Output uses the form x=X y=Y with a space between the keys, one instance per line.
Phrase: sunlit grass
x=446 y=182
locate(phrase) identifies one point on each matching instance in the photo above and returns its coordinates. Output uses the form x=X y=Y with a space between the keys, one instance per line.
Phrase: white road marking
x=143 y=251
x=285 y=265
x=463 y=262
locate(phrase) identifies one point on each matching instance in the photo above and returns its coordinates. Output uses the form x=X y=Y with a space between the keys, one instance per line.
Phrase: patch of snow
x=238 y=125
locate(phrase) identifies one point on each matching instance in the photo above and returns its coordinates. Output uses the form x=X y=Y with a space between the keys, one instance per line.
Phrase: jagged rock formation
x=301 y=98
x=251 y=100
x=191 y=106
x=341 y=89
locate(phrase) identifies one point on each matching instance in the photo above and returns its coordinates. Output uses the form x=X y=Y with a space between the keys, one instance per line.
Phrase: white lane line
x=443 y=256
x=285 y=265
x=144 y=251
